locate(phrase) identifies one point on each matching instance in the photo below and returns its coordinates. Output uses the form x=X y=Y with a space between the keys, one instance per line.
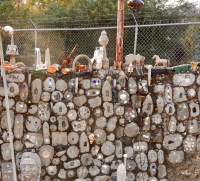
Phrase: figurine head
x=30 y=166
x=91 y=138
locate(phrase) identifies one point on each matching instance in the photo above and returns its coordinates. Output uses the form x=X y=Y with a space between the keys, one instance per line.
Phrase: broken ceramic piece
x=79 y=125
x=33 y=140
x=36 y=90
x=179 y=94
x=148 y=105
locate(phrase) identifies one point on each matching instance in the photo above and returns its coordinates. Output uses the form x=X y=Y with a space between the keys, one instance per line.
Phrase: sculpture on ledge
x=165 y=62
x=30 y=166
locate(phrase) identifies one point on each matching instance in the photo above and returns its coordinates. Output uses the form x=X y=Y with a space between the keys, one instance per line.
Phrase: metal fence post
x=136 y=34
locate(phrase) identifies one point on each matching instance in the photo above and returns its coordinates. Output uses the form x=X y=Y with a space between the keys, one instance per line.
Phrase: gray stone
x=172 y=141
x=86 y=159
x=73 y=151
x=179 y=94
x=132 y=86
x=94 y=170
x=106 y=92
x=131 y=130
x=82 y=172
x=160 y=104
x=85 y=84
x=56 y=96
x=111 y=125
x=107 y=148
x=93 y=92
x=95 y=102
x=118 y=149
x=79 y=125
x=94 y=150
x=33 y=124
x=49 y=84
x=46 y=153
x=156 y=118
x=109 y=159
x=32 y=109
x=161 y=157
x=72 y=164
x=182 y=111
x=61 y=85
x=140 y=147
x=180 y=128
x=183 y=79
x=15 y=77
x=73 y=138
x=119 y=110
x=59 y=138
x=105 y=169
x=100 y=136
x=153 y=169
x=111 y=137
x=159 y=88
x=7 y=173
x=192 y=126
x=141 y=161
x=101 y=122
x=62 y=174
x=56 y=161
x=95 y=83
x=80 y=100
x=191 y=93
x=148 y=105
x=5 y=151
x=119 y=132
x=176 y=157
x=43 y=111
x=130 y=165
x=36 y=90
x=18 y=145
x=62 y=123
x=130 y=176
x=152 y=156
x=72 y=115
x=162 y=171
x=84 y=143
x=18 y=128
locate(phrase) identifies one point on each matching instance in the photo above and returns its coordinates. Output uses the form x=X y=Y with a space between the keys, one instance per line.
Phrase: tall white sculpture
x=30 y=166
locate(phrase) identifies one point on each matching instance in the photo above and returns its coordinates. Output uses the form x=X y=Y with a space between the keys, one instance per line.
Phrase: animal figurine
x=165 y=62
x=80 y=67
x=194 y=65
x=130 y=68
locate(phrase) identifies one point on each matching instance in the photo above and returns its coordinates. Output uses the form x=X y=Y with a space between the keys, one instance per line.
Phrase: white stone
x=70 y=105
x=46 y=153
x=109 y=159
x=21 y=107
x=24 y=91
x=107 y=148
x=194 y=109
x=56 y=96
x=7 y=173
x=182 y=111
x=111 y=125
x=170 y=109
x=180 y=128
x=80 y=100
x=13 y=89
x=156 y=118
x=60 y=109
x=153 y=169
x=106 y=91
x=168 y=93
x=192 y=126
x=72 y=151
x=96 y=83
x=82 y=172
x=172 y=124
x=159 y=88
x=132 y=85
x=62 y=174
x=111 y=137
x=93 y=92
x=49 y=84
x=161 y=157
x=46 y=133
x=123 y=97
x=152 y=179
x=5 y=151
x=18 y=128
x=33 y=140
x=179 y=94
x=129 y=151
x=176 y=157
x=61 y=85
x=130 y=176
x=118 y=149
x=56 y=161
x=131 y=130
x=162 y=171
x=59 y=138
x=172 y=141
x=36 y=90
x=108 y=109
x=122 y=80
x=141 y=161
x=79 y=125
x=84 y=112
x=94 y=170
x=84 y=145
x=62 y=123
x=52 y=170
x=119 y=110
x=105 y=169
x=15 y=77
x=130 y=165
x=148 y=105
x=184 y=79
x=189 y=144
x=85 y=84
x=33 y=124
x=32 y=109
x=95 y=102
x=72 y=115
x=18 y=145
x=191 y=93
x=152 y=156
x=160 y=104
x=73 y=138
x=140 y=147
x=46 y=96
x=86 y=159
x=101 y=122
x=44 y=111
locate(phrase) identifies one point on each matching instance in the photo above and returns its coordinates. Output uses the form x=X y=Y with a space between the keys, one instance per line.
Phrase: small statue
x=160 y=61
x=30 y=166
x=194 y=66
x=130 y=68
x=91 y=138
x=80 y=67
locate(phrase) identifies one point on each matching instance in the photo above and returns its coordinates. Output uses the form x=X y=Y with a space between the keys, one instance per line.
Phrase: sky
x=196 y=2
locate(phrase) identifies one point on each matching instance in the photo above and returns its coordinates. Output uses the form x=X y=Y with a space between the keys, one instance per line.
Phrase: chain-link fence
x=180 y=42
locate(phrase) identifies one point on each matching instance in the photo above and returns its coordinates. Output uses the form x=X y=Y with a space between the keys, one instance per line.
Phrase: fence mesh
x=180 y=43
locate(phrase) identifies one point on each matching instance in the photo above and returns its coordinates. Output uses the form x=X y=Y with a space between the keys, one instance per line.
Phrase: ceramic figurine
x=160 y=61
x=130 y=68
x=194 y=66
x=121 y=170
x=30 y=166
x=91 y=138
x=80 y=67
x=39 y=64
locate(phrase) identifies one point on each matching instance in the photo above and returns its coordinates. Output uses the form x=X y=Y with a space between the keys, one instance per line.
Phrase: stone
x=84 y=145
x=130 y=165
x=142 y=86
x=100 y=136
x=146 y=126
x=72 y=115
x=157 y=136
x=5 y=151
x=192 y=126
x=105 y=169
x=95 y=102
x=98 y=112
x=180 y=128
x=132 y=85
x=93 y=92
x=59 y=138
x=182 y=112
x=23 y=93
x=115 y=164
x=63 y=158
x=18 y=127
x=96 y=83
x=80 y=100
x=111 y=125
x=46 y=133
x=162 y=171
x=72 y=151
x=60 y=109
x=33 y=124
x=53 y=119
x=53 y=127
x=130 y=114
x=68 y=95
x=82 y=172
x=172 y=141
x=85 y=84
x=18 y=160
x=152 y=179
x=170 y=109
x=21 y=107
x=52 y=170
x=140 y=147
x=160 y=104
x=176 y=157
x=119 y=110
x=100 y=178
x=119 y=132
x=18 y=145
x=71 y=83
x=11 y=103
x=32 y=109
x=152 y=156
x=46 y=153
x=122 y=80
x=111 y=137
x=94 y=170
x=43 y=111
x=189 y=144
x=56 y=96
x=183 y=79
x=7 y=173
x=70 y=173
x=141 y=161
x=156 y=118
x=45 y=96
x=15 y=77
x=153 y=169
x=107 y=148
x=172 y=124
x=159 y=88
x=179 y=94
x=191 y=93
x=148 y=105
x=129 y=151
x=33 y=140
x=161 y=157
x=108 y=109
x=106 y=92
x=84 y=112
x=101 y=122
x=168 y=93
x=109 y=159
x=62 y=123
x=194 y=109
x=144 y=136
x=61 y=85
x=136 y=101
x=131 y=130
x=49 y=84
x=123 y=97
x=36 y=90
x=62 y=174
x=73 y=138
x=118 y=149
x=70 y=105
x=79 y=125
x=130 y=176
x=56 y=161
x=86 y=159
